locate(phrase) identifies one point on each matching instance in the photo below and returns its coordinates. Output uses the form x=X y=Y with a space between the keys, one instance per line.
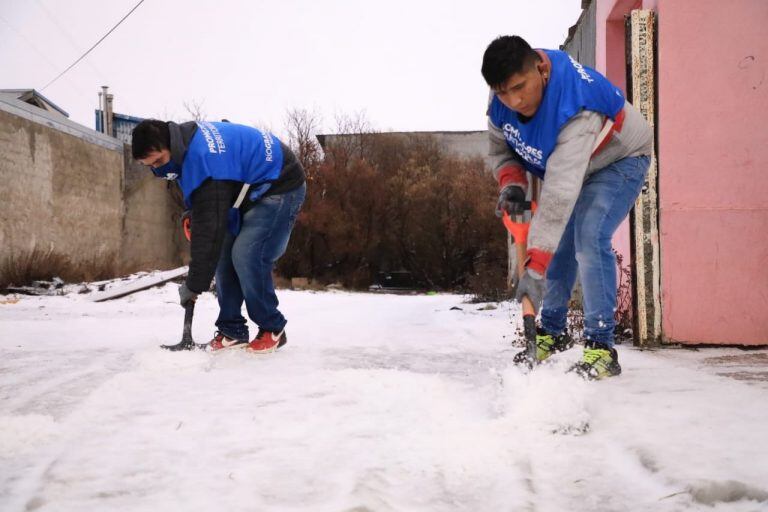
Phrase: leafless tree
x=194 y=108
x=302 y=126
x=358 y=134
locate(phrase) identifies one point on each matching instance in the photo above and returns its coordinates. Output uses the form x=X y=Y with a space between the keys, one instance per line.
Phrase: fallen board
x=140 y=284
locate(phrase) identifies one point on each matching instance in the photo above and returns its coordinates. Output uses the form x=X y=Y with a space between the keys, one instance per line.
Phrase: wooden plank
x=140 y=284
x=644 y=218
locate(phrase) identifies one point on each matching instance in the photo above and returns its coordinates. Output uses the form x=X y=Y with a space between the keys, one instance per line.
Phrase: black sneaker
x=546 y=345
x=599 y=361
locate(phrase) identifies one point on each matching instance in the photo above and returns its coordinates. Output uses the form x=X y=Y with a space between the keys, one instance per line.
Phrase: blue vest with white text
x=228 y=151
x=571 y=89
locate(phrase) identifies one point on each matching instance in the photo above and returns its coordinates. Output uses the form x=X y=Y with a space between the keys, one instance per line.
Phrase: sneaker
x=546 y=345
x=599 y=361
x=267 y=341
x=221 y=342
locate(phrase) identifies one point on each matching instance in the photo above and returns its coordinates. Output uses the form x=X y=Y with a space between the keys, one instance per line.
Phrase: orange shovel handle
x=519 y=231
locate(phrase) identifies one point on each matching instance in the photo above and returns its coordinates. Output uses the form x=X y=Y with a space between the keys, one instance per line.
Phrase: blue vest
x=571 y=89
x=227 y=151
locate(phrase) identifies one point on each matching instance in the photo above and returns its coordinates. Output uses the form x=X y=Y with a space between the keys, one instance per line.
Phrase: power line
x=77 y=47
x=30 y=44
x=94 y=46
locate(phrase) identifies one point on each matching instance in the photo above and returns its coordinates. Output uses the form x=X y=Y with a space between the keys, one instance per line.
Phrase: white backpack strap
x=605 y=132
x=241 y=197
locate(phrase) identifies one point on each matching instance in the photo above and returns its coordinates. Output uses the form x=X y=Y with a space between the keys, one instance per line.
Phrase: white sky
x=408 y=65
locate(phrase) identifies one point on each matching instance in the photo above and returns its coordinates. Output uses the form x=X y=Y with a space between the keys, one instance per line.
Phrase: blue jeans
x=244 y=272
x=605 y=200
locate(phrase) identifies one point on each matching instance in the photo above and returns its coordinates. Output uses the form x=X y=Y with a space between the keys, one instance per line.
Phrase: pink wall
x=713 y=170
x=713 y=162
x=610 y=60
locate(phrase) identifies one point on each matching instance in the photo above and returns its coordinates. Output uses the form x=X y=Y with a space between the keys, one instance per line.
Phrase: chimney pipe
x=110 y=117
x=103 y=96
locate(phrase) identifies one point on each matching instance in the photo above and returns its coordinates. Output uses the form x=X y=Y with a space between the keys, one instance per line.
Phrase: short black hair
x=504 y=57
x=150 y=135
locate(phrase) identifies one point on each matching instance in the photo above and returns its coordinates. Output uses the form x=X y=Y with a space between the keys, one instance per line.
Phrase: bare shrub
x=622 y=314
x=21 y=269
x=195 y=109
x=392 y=202
x=489 y=281
x=302 y=126
x=37 y=264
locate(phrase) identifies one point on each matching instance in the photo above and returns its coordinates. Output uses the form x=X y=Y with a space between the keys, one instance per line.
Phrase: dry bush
x=623 y=313
x=390 y=202
x=489 y=282
x=21 y=269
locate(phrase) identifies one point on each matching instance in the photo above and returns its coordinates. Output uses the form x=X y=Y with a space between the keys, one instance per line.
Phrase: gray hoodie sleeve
x=501 y=155
x=566 y=169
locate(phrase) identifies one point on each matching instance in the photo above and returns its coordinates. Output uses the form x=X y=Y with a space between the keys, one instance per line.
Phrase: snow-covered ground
x=377 y=403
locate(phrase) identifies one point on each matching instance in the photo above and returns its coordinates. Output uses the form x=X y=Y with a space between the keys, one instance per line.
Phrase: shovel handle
x=528 y=307
x=529 y=310
x=189 y=311
x=519 y=231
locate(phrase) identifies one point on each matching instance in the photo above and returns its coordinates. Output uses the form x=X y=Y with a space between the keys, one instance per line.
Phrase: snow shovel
x=519 y=230
x=186 y=343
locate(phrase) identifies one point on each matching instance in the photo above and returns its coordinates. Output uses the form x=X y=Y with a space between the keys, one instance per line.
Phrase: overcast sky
x=407 y=65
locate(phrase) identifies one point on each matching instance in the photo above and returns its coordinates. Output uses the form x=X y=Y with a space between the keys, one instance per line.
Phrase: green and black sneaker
x=546 y=345
x=599 y=361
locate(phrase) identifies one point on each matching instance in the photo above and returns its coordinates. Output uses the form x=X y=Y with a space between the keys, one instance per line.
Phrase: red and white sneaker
x=221 y=342
x=266 y=341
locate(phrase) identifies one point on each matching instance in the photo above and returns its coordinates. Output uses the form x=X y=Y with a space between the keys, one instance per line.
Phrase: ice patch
x=26 y=433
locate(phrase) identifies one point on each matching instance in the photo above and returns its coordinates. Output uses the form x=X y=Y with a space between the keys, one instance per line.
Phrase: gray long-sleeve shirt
x=570 y=163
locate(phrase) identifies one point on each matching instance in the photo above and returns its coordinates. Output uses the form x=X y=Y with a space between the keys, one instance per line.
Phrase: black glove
x=511 y=200
x=186 y=296
x=533 y=285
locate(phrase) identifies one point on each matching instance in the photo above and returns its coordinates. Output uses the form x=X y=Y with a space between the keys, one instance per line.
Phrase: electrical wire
x=94 y=46
x=77 y=47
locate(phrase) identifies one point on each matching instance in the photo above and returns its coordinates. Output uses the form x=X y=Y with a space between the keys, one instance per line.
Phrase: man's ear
x=541 y=66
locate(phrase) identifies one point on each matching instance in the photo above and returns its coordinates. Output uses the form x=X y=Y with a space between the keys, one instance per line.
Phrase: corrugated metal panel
x=122 y=125
x=581 y=42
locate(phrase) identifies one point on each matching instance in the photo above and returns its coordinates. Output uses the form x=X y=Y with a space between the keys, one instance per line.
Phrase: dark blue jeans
x=244 y=272
x=605 y=200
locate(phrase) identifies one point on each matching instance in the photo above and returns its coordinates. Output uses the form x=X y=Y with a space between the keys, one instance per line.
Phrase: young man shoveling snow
x=569 y=126
x=244 y=188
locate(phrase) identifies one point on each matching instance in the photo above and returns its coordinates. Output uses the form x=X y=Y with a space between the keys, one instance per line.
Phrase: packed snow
x=377 y=403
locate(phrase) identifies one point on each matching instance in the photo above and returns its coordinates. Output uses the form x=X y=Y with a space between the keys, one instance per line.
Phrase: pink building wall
x=713 y=162
x=609 y=31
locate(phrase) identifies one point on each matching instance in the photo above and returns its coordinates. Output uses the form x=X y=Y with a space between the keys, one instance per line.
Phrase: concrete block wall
x=151 y=231
x=58 y=192
x=79 y=195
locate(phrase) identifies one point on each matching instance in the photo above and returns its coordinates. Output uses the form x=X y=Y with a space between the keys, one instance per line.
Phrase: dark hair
x=504 y=57
x=150 y=135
